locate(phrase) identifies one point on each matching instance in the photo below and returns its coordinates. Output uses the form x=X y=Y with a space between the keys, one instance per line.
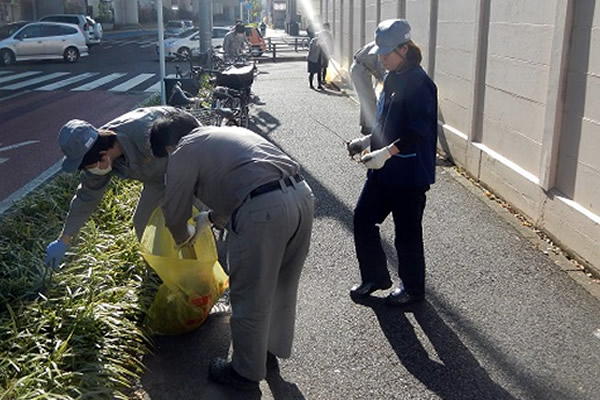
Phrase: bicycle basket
x=236 y=77
x=205 y=116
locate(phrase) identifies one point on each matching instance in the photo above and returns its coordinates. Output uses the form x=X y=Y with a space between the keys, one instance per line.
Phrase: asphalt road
x=501 y=320
x=37 y=98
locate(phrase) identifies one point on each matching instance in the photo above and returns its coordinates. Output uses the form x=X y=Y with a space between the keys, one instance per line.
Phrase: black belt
x=271 y=186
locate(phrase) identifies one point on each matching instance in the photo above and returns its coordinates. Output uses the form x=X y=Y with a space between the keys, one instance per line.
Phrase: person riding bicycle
x=235 y=43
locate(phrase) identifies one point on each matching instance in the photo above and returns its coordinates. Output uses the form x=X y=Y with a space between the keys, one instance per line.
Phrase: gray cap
x=390 y=34
x=76 y=138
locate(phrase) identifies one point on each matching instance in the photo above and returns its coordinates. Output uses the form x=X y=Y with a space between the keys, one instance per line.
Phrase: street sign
x=248 y=5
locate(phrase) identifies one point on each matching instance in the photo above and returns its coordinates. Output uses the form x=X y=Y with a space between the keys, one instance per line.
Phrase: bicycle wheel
x=244 y=117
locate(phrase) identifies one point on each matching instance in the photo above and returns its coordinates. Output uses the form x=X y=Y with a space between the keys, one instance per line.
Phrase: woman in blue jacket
x=401 y=165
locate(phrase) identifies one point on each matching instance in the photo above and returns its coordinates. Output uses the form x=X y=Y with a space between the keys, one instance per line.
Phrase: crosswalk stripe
x=19 y=76
x=34 y=81
x=98 y=82
x=128 y=42
x=125 y=86
x=153 y=88
x=66 y=82
x=5 y=72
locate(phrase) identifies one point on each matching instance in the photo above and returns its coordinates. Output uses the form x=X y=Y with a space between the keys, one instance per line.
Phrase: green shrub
x=75 y=332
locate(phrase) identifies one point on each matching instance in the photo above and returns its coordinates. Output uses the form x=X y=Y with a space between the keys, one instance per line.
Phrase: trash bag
x=193 y=279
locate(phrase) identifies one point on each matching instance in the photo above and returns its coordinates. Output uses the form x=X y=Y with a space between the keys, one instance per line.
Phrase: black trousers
x=406 y=204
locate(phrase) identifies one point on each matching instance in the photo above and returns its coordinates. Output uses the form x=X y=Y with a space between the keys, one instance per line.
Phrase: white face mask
x=98 y=171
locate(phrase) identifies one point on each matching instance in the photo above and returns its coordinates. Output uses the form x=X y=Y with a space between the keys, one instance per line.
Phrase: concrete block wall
x=519 y=90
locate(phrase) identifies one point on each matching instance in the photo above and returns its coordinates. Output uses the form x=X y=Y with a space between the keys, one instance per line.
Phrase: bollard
x=274 y=52
x=269 y=40
x=296 y=45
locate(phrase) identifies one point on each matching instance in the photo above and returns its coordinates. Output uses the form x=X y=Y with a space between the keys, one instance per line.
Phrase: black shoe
x=222 y=372
x=320 y=87
x=366 y=288
x=311 y=86
x=400 y=297
x=272 y=363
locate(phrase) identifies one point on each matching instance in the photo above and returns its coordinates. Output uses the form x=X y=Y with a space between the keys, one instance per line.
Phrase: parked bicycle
x=232 y=91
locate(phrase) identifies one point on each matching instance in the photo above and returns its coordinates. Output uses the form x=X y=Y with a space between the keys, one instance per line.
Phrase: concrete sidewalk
x=502 y=320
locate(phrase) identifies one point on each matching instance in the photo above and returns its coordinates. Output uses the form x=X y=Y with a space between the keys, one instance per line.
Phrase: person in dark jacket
x=401 y=167
x=314 y=59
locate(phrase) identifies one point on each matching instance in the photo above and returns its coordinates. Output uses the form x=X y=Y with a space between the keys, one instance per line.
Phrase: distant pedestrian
x=314 y=59
x=401 y=167
x=310 y=30
x=235 y=43
x=263 y=29
x=365 y=67
x=326 y=43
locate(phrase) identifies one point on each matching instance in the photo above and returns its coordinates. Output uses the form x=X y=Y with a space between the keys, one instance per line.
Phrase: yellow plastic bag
x=193 y=279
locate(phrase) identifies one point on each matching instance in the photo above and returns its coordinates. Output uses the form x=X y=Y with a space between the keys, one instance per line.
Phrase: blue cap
x=76 y=138
x=390 y=34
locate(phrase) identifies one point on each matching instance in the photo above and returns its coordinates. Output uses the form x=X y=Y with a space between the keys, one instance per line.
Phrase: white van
x=91 y=29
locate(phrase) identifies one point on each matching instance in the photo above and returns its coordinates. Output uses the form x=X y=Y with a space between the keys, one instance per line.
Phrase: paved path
x=501 y=320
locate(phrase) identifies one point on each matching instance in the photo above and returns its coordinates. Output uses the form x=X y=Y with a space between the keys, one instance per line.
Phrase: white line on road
x=23 y=191
x=3 y=160
x=98 y=82
x=34 y=81
x=128 y=42
x=17 y=145
x=19 y=76
x=153 y=88
x=5 y=72
x=66 y=82
x=125 y=86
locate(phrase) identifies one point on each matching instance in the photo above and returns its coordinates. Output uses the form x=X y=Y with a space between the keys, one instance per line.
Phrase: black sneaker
x=400 y=297
x=366 y=288
x=222 y=372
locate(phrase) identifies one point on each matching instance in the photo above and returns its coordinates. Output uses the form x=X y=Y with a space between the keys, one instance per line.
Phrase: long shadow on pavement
x=457 y=375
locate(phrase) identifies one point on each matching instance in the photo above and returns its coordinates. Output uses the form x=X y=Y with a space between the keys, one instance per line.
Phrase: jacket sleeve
x=87 y=197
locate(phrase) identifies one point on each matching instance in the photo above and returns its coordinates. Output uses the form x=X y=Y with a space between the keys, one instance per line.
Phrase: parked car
x=91 y=29
x=189 y=40
x=41 y=40
x=256 y=41
x=177 y=26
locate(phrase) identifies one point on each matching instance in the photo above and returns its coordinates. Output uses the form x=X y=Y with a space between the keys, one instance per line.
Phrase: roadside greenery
x=76 y=332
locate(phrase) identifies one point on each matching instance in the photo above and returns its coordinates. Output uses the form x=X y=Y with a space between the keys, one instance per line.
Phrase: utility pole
x=161 y=52
x=205 y=26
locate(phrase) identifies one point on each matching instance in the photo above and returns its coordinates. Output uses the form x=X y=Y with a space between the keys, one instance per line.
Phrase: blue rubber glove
x=55 y=253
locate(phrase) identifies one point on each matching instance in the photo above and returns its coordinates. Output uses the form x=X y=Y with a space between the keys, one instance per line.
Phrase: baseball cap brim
x=381 y=50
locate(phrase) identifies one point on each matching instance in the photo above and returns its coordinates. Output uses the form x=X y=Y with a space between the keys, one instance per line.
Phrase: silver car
x=40 y=41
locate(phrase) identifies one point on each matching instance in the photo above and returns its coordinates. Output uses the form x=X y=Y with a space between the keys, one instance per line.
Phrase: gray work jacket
x=370 y=61
x=137 y=162
x=220 y=166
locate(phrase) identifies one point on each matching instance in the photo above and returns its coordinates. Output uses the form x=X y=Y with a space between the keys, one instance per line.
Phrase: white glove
x=358 y=145
x=191 y=230
x=202 y=220
x=376 y=159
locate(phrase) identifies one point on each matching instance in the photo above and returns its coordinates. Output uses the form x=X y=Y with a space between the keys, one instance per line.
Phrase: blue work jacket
x=407 y=110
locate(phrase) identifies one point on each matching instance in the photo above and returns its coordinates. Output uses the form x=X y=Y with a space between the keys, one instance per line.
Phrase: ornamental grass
x=75 y=333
